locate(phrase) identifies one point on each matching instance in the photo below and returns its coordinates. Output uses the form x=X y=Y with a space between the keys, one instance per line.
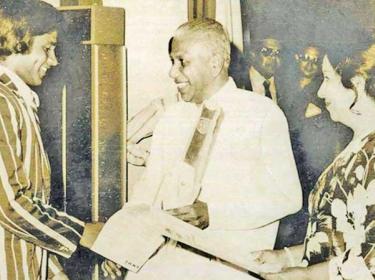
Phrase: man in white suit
x=250 y=181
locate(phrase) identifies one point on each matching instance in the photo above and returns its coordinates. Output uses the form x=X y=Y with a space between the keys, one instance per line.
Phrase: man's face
x=267 y=57
x=190 y=67
x=39 y=59
x=308 y=62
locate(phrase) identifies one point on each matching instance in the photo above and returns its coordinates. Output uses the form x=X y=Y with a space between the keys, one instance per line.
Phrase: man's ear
x=10 y=61
x=359 y=83
x=53 y=34
x=217 y=64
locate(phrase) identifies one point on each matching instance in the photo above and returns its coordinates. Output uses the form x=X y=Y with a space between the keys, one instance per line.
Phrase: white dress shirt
x=257 y=81
x=251 y=179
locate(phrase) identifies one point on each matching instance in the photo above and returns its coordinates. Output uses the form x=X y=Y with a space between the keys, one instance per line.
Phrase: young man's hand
x=90 y=233
x=111 y=269
x=59 y=276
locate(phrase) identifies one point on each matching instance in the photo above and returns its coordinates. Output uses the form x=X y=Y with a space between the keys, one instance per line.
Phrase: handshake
x=137 y=231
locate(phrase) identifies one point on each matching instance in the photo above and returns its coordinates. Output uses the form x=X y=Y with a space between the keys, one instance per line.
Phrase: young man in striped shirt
x=31 y=231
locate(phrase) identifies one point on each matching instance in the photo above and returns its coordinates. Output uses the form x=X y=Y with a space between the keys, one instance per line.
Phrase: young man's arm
x=21 y=212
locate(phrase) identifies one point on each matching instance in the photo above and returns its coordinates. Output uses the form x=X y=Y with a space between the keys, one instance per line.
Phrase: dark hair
x=362 y=64
x=301 y=50
x=40 y=17
x=170 y=42
x=258 y=44
x=15 y=36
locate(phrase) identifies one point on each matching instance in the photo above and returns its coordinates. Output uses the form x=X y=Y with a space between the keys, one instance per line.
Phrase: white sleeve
x=144 y=190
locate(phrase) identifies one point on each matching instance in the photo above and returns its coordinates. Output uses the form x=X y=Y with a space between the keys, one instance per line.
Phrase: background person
x=264 y=62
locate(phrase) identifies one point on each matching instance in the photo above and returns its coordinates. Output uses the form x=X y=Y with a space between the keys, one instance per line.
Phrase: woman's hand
x=317 y=271
x=288 y=274
x=271 y=261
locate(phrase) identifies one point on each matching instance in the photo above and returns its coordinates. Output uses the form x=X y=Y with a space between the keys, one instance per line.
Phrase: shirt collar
x=21 y=89
x=223 y=91
x=255 y=75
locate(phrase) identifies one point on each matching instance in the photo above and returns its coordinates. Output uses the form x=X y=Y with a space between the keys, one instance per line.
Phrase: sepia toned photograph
x=189 y=139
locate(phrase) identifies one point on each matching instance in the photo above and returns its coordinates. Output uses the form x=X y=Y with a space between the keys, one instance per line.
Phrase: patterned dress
x=341 y=228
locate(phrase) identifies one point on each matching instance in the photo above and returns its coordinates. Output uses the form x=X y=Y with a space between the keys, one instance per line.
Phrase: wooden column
x=80 y=2
x=201 y=9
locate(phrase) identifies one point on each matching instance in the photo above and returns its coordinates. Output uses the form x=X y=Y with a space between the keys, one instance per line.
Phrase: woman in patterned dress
x=340 y=239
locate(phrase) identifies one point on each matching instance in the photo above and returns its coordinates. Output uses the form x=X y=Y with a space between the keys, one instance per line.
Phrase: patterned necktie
x=267 y=91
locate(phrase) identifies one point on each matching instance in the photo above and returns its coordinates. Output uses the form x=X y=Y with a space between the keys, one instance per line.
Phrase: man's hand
x=90 y=233
x=137 y=155
x=195 y=214
x=270 y=261
x=110 y=268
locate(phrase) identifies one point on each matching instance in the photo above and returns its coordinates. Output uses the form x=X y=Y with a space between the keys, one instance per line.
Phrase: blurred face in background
x=308 y=62
x=266 y=57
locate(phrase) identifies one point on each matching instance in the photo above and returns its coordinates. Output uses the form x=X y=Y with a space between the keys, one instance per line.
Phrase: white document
x=129 y=238
x=134 y=234
x=204 y=241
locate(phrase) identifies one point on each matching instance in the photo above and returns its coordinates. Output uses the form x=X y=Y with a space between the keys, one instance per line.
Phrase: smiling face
x=338 y=98
x=190 y=68
x=33 y=66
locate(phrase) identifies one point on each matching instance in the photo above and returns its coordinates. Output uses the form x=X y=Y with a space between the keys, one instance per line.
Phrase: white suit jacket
x=251 y=179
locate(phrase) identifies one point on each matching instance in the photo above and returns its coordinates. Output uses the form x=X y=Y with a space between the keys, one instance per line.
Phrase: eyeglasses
x=269 y=52
x=307 y=58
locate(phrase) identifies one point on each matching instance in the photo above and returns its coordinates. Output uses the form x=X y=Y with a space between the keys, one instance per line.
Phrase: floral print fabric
x=341 y=228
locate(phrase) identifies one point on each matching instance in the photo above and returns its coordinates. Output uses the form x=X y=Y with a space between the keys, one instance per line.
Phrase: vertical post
x=63 y=145
x=95 y=143
x=201 y=9
x=90 y=2
x=124 y=167
x=95 y=133
x=104 y=112
x=80 y=2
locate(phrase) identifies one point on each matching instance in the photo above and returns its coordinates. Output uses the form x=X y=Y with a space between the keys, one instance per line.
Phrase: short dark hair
x=258 y=44
x=363 y=64
x=170 y=42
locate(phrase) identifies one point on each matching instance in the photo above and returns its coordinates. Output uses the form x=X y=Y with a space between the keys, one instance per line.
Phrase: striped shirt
x=31 y=231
